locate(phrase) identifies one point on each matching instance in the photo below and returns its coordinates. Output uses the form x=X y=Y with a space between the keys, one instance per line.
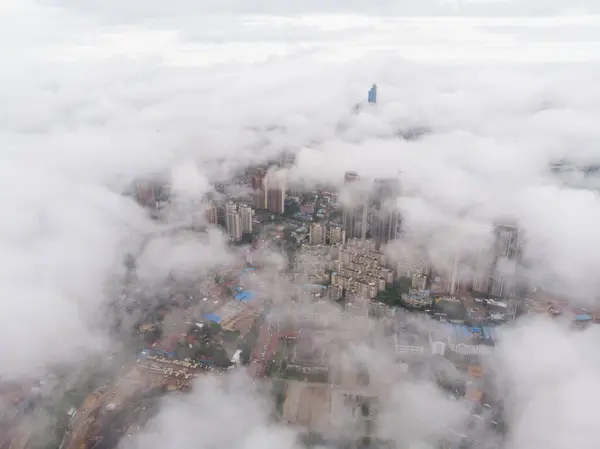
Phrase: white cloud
x=551 y=374
x=217 y=414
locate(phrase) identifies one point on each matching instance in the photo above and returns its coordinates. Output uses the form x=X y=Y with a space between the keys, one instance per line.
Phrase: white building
x=337 y=235
x=317 y=234
x=234 y=225
x=246 y=217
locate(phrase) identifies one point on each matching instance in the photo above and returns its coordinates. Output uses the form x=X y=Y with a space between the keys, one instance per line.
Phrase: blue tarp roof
x=315 y=286
x=246 y=296
x=462 y=330
x=212 y=317
x=583 y=317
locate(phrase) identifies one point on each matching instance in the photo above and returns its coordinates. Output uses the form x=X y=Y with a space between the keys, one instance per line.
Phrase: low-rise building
x=307 y=357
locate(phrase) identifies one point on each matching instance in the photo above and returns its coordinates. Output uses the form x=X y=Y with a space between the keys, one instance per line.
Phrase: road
x=266 y=347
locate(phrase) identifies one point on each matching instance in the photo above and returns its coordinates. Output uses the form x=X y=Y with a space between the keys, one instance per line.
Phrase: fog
x=474 y=107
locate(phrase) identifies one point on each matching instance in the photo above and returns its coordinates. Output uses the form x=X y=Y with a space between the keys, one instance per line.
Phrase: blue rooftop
x=315 y=286
x=212 y=317
x=246 y=296
x=583 y=317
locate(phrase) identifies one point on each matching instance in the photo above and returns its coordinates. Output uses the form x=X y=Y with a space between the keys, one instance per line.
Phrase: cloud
x=220 y=413
x=152 y=10
x=549 y=370
x=182 y=255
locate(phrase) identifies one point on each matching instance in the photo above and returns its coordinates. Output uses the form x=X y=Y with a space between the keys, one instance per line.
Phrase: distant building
x=246 y=218
x=317 y=234
x=496 y=269
x=308 y=357
x=406 y=269
x=419 y=281
x=212 y=214
x=507 y=248
x=355 y=216
x=351 y=176
x=234 y=225
x=372 y=95
x=276 y=199
x=385 y=217
x=259 y=196
x=454 y=284
x=145 y=193
x=417 y=299
x=230 y=206
x=336 y=234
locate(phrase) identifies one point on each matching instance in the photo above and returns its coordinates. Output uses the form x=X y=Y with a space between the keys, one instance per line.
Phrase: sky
x=97 y=93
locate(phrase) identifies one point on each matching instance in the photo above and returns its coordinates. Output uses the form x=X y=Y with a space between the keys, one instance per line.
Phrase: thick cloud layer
x=153 y=9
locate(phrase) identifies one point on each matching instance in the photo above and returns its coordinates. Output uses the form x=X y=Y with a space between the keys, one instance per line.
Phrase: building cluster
x=321 y=234
x=178 y=370
x=460 y=343
x=360 y=269
x=268 y=194
x=151 y=192
x=492 y=272
x=239 y=219
x=496 y=270
x=312 y=264
x=307 y=356
x=373 y=214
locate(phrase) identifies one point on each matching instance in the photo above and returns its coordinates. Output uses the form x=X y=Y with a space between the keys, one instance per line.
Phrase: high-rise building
x=482 y=273
x=317 y=234
x=507 y=252
x=351 y=176
x=385 y=218
x=336 y=234
x=372 y=96
x=234 y=226
x=496 y=269
x=230 y=207
x=212 y=214
x=259 y=196
x=355 y=216
x=385 y=227
x=276 y=199
x=145 y=193
x=246 y=217
x=454 y=284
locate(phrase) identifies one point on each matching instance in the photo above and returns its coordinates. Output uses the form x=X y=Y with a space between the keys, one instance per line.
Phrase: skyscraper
x=454 y=283
x=276 y=199
x=372 y=96
x=496 y=270
x=336 y=234
x=385 y=218
x=212 y=215
x=234 y=227
x=145 y=193
x=246 y=217
x=317 y=234
x=507 y=249
x=355 y=216
x=259 y=196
